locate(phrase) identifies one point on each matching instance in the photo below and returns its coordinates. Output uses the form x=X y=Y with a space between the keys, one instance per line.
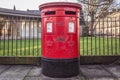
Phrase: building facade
x=18 y=24
x=109 y=25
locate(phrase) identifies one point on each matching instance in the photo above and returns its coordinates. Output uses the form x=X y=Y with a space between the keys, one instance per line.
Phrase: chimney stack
x=14 y=8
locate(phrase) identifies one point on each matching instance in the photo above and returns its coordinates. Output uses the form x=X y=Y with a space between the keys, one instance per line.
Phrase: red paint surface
x=60 y=44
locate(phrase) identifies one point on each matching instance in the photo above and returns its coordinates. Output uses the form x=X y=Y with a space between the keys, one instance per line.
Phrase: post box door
x=60 y=40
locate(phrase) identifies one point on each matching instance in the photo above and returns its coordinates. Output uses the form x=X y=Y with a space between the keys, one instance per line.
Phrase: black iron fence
x=22 y=38
x=101 y=37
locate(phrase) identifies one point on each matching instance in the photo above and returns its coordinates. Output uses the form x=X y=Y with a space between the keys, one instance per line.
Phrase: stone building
x=109 y=25
x=19 y=24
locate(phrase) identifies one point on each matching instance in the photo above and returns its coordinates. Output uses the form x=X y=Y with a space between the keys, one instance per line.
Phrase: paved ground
x=87 y=72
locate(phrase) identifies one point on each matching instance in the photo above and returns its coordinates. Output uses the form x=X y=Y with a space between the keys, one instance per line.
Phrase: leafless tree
x=96 y=9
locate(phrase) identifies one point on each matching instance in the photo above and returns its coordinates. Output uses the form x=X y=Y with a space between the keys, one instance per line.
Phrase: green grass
x=88 y=46
x=102 y=46
x=20 y=48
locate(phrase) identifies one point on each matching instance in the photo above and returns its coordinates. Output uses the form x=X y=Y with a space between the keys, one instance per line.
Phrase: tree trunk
x=92 y=26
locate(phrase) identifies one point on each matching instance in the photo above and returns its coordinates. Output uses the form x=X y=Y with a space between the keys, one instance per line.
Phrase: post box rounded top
x=56 y=4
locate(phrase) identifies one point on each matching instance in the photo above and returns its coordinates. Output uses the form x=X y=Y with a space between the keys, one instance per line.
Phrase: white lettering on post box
x=49 y=27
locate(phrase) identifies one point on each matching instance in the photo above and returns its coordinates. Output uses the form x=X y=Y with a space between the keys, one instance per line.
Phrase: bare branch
x=96 y=9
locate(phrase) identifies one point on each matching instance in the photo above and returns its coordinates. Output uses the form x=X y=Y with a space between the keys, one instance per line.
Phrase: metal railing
x=22 y=38
x=102 y=38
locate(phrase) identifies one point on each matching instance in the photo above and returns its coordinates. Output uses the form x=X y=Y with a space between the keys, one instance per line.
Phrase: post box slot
x=70 y=12
x=50 y=13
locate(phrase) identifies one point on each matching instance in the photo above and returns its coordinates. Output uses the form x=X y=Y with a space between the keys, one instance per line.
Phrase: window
x=71 y=27
x=49 y=27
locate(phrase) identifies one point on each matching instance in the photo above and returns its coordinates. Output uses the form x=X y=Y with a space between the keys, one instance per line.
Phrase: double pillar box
x=60 y=39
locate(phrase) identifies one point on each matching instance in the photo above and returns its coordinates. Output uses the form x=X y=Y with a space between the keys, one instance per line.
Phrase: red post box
x=60 y=39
